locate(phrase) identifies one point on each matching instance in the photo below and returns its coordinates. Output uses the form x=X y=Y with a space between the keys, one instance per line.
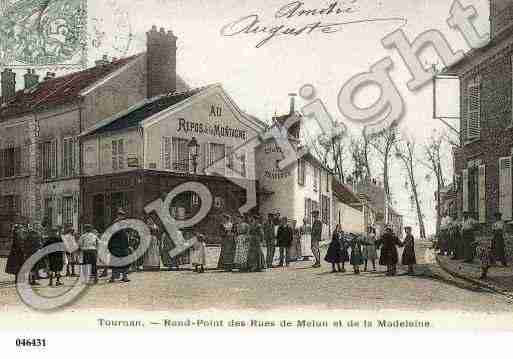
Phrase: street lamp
x=193 y=151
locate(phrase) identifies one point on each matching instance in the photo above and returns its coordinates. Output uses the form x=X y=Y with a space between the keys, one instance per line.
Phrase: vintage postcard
x=271 y=165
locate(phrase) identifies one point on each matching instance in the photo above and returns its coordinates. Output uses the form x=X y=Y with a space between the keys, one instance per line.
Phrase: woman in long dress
x=409 y=259
x=337 y=251
x=369 y=249
x=242 y=245
x=199 y=254
x=152 y=255
x=228 y=230
x=167 y=245
x=16 y=256
x=256 y=259
x=356 y=259
x=389 y=256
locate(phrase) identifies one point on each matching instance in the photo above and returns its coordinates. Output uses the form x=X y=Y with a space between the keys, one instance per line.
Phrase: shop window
x=48 y=155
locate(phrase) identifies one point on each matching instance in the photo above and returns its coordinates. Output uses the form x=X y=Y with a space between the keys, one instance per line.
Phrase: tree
x=359 y=148
x=405 y=152
x=384 y=144
x=433 y=150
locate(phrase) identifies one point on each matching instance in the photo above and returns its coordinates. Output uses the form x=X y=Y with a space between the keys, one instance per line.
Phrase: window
x=10 y=162
x=10 y=204
x=325 y=211
x=217 y=153
x=315 y=178
x=48 y=155
x=180 y=154
x=118 y=154
x=301 y=172
x=236 y=163
x=67 y=210
x=166 y=153
x=474 y=108
x=505 y=192
x=68 y=163
x=308 y=210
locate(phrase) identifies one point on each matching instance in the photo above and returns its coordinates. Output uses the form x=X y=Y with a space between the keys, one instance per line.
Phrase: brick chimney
x=8 y=79
x=161 y=61
x=30 y=79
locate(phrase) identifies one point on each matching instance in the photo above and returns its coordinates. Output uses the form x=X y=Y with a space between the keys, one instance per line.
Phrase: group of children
x=364 y=249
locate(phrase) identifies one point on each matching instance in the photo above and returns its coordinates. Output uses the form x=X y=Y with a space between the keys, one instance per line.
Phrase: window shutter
x=474 y=108
x=482 y=193
x=505 y=197
x=465 y=190
x=17 y=161
x=208 y=157
x=202 y=158
x=53 y=158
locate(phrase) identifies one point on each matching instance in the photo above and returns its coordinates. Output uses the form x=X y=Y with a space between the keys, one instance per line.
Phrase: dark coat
x=409 y=257
x=388 y=243
x=498 y=247
x=227 y=249
x=285 y=236
x=16 y=256
x=34 y=243
x=55 y=259
x=119 y=244
x=337 y=250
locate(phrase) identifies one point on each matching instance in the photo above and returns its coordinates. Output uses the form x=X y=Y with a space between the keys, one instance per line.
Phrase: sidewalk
x=499 y=279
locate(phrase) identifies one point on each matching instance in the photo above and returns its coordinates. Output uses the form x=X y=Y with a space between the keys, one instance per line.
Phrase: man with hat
x=389 y=256
x=119 y=246
x=498 y=250
x=284 y=237
x=316 y=238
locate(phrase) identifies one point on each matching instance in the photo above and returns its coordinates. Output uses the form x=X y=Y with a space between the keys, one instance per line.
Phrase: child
x=484 y=251
x=356 y=253
x=337 y=252
x=55 y=259
x=409 y=258
x=199 y=254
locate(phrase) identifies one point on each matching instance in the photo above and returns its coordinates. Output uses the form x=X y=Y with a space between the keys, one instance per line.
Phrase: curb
x=476 y=282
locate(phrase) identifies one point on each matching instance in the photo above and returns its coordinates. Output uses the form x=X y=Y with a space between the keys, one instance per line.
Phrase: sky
x=259 y=79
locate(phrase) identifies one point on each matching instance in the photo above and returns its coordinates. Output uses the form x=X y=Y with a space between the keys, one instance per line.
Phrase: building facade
x=483 y=161
x=141 y=154
x=40 y=166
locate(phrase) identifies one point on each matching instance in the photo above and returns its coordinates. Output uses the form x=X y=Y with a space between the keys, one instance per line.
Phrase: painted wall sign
x=275 y=174
x=211 y=130
x=215 y=111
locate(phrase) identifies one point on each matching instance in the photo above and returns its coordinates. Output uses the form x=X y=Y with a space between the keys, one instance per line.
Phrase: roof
x=376 y=195
x=65 y=89
x=481 y=53
x=344 y=193
x=59 y=90
x=133 y=116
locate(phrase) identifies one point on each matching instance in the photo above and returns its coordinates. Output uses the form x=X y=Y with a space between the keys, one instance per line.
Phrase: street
x=298 y=286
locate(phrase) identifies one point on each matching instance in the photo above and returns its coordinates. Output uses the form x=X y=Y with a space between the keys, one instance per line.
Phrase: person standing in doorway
x=316 y=238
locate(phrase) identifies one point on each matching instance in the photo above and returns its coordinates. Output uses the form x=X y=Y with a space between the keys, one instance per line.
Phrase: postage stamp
x=43 y=33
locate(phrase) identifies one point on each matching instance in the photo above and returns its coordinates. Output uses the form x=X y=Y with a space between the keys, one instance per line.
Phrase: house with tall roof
x=143 y=153
x=40 y=156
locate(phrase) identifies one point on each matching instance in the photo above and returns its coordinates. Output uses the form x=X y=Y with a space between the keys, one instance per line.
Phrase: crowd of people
x=458 y=239
x=243 y=238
